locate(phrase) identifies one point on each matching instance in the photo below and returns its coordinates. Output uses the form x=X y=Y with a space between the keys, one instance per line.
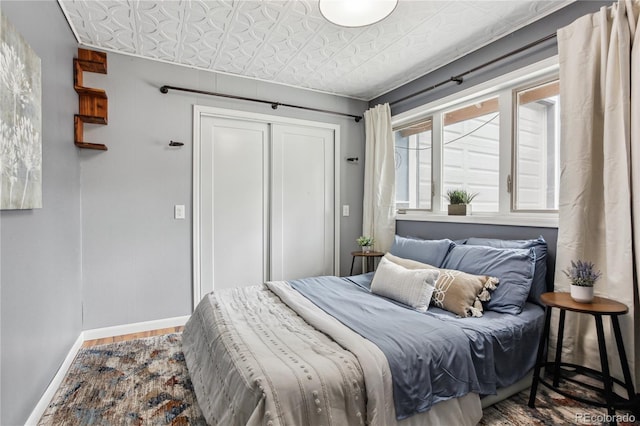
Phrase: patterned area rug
x=553 y=408
x=137 y=382
x=146 y=382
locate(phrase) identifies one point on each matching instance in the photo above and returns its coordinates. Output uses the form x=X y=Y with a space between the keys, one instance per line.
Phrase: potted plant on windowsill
x=582 y=276
x=365 y=243
x=460 y=202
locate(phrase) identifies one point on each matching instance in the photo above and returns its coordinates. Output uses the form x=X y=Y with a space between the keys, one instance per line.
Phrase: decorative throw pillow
x=455 y=291
x=539 y=245
x=432 y=252
x=410 y=287
x=513 y=267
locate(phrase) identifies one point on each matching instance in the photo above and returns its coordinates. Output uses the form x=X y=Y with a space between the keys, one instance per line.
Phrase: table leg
x=353 y=259
x=371 y=264
x=539 y=358
x=606 y=376
x=556 y=373
x=623 y=358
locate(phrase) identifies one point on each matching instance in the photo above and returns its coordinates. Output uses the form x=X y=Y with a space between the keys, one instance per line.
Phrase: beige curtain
x=378 y=213
x=600 y=174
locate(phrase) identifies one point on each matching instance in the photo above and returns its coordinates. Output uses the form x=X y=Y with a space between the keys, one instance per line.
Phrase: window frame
x=408 y=125
x=505 y=88
x=514 y=142
x=456 y=107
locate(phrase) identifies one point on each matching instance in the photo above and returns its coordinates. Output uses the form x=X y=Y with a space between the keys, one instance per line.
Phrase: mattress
x=255 y=360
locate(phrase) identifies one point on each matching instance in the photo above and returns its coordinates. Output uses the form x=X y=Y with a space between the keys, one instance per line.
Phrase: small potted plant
x=460 y=202
x=582 y=276
x=365 y=243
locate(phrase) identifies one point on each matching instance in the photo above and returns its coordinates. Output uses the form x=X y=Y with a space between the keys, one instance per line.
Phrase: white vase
x=365 y=249
x=581 y=294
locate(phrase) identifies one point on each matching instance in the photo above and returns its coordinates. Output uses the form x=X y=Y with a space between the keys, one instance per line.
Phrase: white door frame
x=198 y=112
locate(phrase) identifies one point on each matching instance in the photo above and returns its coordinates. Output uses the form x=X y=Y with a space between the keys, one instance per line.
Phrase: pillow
x=513 y=267
x=539 y=245
x=432 y=252
x=455 y=291
x=410 y=287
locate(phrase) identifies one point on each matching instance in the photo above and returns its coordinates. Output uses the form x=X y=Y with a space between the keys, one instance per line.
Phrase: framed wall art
x=20 y=122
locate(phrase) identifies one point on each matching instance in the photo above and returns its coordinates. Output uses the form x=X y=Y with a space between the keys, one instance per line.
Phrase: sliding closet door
x=302 y=202
x=237 y=190
x=264 y=199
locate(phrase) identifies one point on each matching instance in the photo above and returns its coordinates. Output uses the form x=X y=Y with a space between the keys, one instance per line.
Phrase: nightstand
x=369 y=256
x=599 y=307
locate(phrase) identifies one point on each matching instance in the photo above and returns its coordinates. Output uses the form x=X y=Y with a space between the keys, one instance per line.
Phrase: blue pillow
x=432 y=252
x=539 y=245
x=513 y=267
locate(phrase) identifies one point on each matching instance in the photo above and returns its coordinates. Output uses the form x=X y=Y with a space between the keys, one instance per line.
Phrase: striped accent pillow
x=455 y=291
x=410 y=287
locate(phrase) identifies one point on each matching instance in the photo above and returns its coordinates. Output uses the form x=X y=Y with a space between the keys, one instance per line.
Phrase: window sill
x=515 y=219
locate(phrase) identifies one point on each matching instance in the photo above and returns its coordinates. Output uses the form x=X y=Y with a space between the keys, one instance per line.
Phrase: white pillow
x=411 y=287
x=455 y=291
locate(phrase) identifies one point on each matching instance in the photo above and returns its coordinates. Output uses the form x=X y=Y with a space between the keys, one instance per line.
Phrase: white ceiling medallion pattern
x=290 y=42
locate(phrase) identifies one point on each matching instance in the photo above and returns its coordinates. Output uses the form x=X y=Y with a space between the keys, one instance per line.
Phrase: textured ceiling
x=290 y=42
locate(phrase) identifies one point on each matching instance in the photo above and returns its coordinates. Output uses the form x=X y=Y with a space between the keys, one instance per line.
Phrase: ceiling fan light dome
x=356 y=13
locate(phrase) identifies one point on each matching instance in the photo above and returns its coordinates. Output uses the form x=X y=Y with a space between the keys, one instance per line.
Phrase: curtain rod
x=274 y=105
x=459 y=79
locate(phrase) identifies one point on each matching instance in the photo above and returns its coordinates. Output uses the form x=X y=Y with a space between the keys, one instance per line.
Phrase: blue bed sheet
x=430 y=359
x=505 y=345
x=433 y=356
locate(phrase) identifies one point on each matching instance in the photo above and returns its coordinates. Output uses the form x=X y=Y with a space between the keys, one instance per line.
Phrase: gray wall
x=41 y=313
x=136 y=257
x=535 y=31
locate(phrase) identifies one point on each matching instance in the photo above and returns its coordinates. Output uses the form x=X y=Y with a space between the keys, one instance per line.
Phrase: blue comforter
x=432 y=356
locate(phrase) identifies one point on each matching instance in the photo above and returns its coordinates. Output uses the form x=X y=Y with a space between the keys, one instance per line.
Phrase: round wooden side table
x=370 y=257
x=599 y=307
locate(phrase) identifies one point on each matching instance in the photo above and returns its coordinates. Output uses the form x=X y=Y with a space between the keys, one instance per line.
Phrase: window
x=471 y=152
x=413 y=166
x=501 y=142
x=537 y=150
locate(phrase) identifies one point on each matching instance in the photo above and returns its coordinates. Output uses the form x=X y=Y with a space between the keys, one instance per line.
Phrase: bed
x=328 y=351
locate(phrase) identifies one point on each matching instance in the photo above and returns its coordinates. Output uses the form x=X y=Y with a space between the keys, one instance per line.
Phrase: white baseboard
x=96 y=333
x=42 y=405
x=119 y=330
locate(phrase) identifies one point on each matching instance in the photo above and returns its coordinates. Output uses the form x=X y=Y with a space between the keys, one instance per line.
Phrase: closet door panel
x=302 y=207
x=239 y=156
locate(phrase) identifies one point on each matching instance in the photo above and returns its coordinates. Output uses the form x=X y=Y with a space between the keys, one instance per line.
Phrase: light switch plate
x=345 y=210
x=179 y=211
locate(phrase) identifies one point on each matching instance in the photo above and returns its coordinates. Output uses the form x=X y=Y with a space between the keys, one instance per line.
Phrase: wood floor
x=132 y=336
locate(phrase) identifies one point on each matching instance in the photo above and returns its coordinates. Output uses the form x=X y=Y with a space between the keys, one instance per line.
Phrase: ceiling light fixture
x=356 y=13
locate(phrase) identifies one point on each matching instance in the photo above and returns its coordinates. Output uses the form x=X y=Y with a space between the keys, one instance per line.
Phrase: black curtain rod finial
x=164 y=89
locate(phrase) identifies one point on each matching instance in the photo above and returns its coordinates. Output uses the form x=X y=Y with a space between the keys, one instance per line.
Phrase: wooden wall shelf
x=93 y=103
